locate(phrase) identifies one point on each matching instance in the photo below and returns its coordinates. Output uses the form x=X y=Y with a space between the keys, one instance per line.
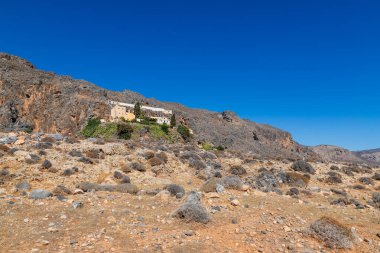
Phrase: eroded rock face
x=46 y=102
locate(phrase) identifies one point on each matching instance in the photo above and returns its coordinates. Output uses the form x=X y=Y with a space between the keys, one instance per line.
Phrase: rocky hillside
x=338 y=154
x=372 y=155
x=60 y=194
x=46 y=102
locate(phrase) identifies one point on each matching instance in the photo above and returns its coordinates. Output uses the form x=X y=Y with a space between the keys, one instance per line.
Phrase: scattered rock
x=303 y=166
x=366 y=180
x=77 y=204
x=40 y=194
x=192 y=210
x=235 y=202
x=23 y=186
x=46 y=165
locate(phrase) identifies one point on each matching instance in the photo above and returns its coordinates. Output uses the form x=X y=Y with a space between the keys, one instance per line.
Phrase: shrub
x=105 y=130
x=148 y=155
x=155 y=161
x=266 y=182
x=220 y=148
x=95 y=153
x=296 y=179
x=175 y=189
x=75 y=153
x=211 y=184
x=184 y=132
x=46 y=165
x=163 y=157
x=376 y=176
x=333 y=180
x=238 y=170
x=165 y=128
x=293 y=192
x=207 y=146
x=137 y=166
x=232 y=182
x=90 y=128
x=118 y=175
x=124 y=131
x=366 y=180
x=332 y=233
x=197 y=164
x=303 y=167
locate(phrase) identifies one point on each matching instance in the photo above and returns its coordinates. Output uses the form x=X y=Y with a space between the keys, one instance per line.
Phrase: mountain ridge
x=48 y=102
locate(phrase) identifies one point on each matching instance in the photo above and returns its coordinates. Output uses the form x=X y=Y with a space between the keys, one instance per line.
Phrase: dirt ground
x=143 y=222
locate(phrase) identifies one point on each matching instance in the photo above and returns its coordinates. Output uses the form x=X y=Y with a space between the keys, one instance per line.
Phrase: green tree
x=124 y=131
x=184 y=132
x=173 y=121
x=137 y=110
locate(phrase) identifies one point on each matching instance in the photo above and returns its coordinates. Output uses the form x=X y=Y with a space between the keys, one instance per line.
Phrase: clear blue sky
x=309 y=67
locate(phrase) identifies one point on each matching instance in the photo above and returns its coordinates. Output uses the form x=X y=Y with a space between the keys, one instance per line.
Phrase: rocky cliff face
x=48 y=102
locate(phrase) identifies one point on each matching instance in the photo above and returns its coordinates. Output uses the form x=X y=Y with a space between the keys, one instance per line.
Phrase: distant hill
x=47 y=102
x=372 y=155
x=338 y=154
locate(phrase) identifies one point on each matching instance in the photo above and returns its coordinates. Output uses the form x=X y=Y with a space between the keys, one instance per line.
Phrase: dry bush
x=155 y=161
x=303 y=166
x=238 y=170
x=163 y=157
x=332 y=233
x=4 y=148
x=148 y=155
x=296 y=179
x=137 y=166
x=95 y=154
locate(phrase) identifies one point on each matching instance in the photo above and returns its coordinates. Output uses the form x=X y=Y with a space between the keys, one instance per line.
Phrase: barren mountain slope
x=372 y=155
x=51 y=103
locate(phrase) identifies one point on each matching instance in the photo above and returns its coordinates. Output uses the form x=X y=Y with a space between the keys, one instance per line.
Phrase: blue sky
x=309 y=67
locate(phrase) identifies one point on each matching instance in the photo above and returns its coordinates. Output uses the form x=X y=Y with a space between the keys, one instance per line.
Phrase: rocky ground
x=70 y=195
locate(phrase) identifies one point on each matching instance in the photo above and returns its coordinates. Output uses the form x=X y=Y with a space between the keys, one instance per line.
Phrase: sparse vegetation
x=332 y=233
x=90 y=128
x=220 y=148
x=173 y=121
x=303 y=166
x=137 y=110
x=184 y=132
x=207 y=146
x=165 y=128
x=124 y=131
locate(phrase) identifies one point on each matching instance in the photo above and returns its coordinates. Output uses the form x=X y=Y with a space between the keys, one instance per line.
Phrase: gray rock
x=219 y=188
x=23 y=186
x=40 y=194
x=57 y=137
x=77 y=204
x=192 y=210
x=8 y=140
